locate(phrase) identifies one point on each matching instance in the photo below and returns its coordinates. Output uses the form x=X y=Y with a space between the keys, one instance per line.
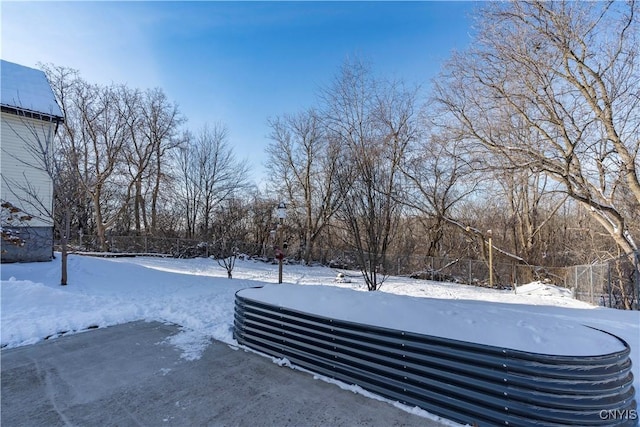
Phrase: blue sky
x=236 y=63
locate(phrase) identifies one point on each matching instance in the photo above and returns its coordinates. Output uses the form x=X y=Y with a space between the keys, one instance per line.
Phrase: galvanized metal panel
x=465 y=382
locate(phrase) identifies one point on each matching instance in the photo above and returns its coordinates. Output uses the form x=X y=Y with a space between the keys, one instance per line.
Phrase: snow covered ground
x=196 y=294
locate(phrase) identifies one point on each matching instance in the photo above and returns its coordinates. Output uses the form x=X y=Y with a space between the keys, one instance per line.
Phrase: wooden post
x=609 y=283
x=637 y=279
x=280 y=248
x=490 y=234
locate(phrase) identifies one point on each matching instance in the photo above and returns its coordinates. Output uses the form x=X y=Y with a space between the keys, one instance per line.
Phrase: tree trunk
x=156 y=191
x=100 y=228
x=63 y=242
x=136 y=203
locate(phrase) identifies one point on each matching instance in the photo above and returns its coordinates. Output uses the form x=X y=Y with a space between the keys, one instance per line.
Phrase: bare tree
x=209 y=175
x=374 y=121
x=151 y=123
x=260 y=218
x=552 y=87
x=189 y=193
x=137 y=151
x=160 y=122
x=230 y=228
x=438 y=177
x=115 y=141
x=39 y=154
x=101 y=150
x=304 y=163
x=93 y=139
x=532 y=205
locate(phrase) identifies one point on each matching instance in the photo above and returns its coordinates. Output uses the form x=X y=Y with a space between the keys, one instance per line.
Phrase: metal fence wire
x=167 y=246
x=614 y=283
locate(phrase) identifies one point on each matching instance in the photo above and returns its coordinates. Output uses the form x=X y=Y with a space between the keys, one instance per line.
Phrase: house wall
x=21 y=171
x=38 y=245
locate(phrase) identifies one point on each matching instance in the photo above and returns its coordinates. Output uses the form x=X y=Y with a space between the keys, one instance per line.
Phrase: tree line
x=530 y=135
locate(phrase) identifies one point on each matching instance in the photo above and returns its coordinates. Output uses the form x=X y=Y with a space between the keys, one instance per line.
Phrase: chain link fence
x=457 y=270
x=613 y=283
x=165 y=246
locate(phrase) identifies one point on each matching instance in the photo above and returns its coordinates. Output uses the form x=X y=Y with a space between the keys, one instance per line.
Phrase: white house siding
x=21 y=169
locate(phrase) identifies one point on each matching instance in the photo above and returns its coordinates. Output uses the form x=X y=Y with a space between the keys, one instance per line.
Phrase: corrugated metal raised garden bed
x=463 y=381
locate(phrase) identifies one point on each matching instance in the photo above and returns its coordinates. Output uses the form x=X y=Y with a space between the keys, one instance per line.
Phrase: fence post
x=591 y=296
x=637 y=279
x=609 y=282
